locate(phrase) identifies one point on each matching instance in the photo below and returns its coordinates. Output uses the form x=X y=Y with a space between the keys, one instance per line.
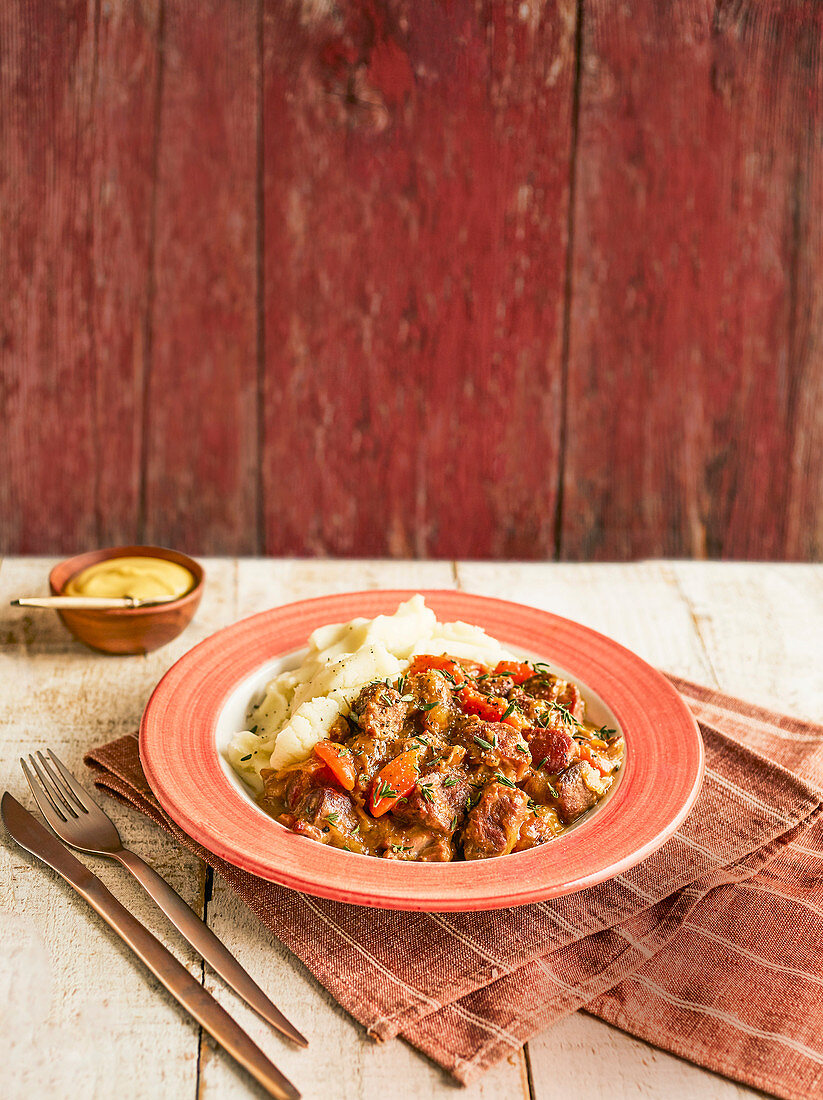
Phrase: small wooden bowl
x=132 y=629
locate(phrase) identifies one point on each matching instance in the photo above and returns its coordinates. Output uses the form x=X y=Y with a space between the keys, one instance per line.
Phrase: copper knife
x=198 y=1002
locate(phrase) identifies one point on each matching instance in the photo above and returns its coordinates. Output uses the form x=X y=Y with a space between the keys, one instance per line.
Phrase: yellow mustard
x=142 y=578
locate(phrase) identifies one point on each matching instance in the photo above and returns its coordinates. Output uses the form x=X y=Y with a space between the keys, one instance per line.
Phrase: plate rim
x=357 y=881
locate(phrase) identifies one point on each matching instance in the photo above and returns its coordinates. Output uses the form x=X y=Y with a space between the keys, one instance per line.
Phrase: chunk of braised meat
x=541 y=825
x=421 y=847
x=540 y=788
x=369 y=755
x=379 y=711
x=533 y=710
x=496 y=685
x=437 y=801
x=434 y=752
x=328 y=816
x=428 y=687
x=293 y=784
x=433 y=704
x=552 y=748
x=496 y=746
x=573 y=795
x=339 y=730
x=493 y=825
x=556 y=690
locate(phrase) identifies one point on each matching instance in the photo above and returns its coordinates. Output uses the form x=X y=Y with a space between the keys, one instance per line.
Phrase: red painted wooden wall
x=412 y=277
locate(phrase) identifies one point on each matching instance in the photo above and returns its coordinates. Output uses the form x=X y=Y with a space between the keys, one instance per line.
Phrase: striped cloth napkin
x=712 y=948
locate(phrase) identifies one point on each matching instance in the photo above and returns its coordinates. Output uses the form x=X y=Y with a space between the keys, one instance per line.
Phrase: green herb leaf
x=565 y=714
x=483 y=743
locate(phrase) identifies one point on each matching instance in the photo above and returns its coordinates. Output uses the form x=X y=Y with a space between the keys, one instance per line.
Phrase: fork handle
x=198 y=1002
x=204 y=941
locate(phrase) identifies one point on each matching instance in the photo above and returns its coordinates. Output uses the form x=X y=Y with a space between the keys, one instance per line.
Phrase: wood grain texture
x=687 y=432
x=77 y=132
x=122 y=188
x=804 y=521
x=200 y=433
x=415 y=258
x=47 y=379
x=487 y=279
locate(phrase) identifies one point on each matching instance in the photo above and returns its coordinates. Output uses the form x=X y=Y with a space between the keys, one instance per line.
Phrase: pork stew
x=450 y=761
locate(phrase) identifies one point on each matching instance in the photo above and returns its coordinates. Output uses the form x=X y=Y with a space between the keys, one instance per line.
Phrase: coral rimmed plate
x=181 y=729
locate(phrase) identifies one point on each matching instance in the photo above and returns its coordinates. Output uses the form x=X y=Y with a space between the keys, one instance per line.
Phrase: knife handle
x=204 y=941
x=184 y=988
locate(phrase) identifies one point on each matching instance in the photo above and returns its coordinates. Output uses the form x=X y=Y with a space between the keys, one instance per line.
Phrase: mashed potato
x=300 y=705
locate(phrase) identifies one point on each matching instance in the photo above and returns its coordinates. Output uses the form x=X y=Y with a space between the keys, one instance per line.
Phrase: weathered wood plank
x=689 y=370
x=201 y=454
x=762 y=629
x=416 y=194
x=265 y=583
x=122 y=188
x=582 y=1045
x=47 y=62
x=804 y=520
x=77 y=128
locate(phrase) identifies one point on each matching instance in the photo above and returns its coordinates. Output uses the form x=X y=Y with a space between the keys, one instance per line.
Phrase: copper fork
x=78 y=821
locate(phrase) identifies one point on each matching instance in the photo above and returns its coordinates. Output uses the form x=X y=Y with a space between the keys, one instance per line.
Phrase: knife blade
x=27 y=831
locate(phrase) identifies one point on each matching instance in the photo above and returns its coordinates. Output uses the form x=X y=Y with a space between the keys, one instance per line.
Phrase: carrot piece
x=394 y=781
x=518 y=671
x=338 y=760
x=590 y=758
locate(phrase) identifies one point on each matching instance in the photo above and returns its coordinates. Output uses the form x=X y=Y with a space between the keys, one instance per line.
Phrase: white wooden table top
x=79 y=1016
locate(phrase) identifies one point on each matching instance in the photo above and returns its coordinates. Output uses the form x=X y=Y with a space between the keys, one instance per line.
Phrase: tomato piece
x=394 y=781
x=338 y=760
x=491 y=708
x=518 y=671
x=488 y=707
x=459 y=670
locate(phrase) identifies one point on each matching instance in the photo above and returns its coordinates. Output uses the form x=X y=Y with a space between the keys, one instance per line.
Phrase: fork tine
x=75 y=790
x=37 y=761
x=46 y=804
